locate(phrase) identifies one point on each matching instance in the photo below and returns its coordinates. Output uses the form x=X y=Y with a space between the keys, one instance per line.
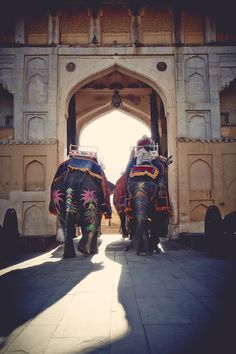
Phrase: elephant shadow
x=27 y=292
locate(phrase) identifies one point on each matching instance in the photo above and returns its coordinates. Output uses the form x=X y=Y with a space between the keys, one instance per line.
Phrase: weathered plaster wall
x=206 y=177
x=190 y=89
x=27 y=170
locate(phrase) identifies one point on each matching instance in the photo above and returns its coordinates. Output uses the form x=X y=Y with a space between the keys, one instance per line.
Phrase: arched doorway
x=95 y=99
x=139 y=100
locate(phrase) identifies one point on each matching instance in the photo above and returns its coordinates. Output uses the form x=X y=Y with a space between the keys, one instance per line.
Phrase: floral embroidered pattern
x=91 y=214
x=141 y=201
x=89 y=196
x=71 y=206
x=57 y=197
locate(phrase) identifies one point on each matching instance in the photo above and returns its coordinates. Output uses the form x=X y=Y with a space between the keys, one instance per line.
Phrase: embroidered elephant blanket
x=90 y=166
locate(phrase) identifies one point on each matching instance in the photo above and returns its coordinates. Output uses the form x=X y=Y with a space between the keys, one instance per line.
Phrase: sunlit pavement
x=180 y=301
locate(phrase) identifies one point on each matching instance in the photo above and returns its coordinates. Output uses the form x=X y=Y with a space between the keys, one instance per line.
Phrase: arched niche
x=33 y=223
x=195 y=88
x=196 y=62
x=196 y=80
x=37 y=90
x=36 y=80
x=36 y=128
x=7 y=108
x=198 y=213
x=200 y=176
x=197 y=127
x=36 y=64
x=35 y=176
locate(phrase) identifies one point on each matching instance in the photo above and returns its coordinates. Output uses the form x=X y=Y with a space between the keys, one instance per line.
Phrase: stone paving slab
x=178 y=302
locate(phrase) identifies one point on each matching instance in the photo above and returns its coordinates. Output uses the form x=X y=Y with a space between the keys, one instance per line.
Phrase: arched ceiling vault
x=93 y=99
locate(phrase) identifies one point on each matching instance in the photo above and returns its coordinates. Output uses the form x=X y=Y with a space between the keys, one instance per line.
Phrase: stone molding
x=221 y=140
x=27 y=142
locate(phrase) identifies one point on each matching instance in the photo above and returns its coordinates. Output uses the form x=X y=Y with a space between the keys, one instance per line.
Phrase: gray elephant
x=148 y=202
x=119 y=204
x=79 y=196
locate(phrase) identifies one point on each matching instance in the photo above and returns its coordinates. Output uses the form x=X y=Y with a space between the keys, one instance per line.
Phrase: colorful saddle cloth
x=119 y=195
x=144 y=170
x=86 y=165
x=90 y=166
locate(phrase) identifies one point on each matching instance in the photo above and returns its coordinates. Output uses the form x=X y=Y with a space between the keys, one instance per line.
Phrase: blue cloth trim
x=77 y=163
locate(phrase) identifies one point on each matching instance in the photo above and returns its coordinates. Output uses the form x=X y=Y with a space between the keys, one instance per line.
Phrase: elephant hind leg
x=69 y=252
x=69 y=228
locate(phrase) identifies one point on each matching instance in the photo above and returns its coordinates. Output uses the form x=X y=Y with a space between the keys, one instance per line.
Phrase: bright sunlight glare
x=114 y=134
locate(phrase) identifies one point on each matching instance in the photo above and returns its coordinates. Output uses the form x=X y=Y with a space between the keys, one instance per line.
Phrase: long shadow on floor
x=197 y=318
x=26 y=292
x=193 y=321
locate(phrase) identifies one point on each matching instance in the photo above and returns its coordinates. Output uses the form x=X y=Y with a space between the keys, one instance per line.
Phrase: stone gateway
x=174 y=66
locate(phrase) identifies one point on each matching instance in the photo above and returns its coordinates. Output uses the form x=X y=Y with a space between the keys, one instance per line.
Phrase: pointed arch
x=35 y=176
x=36 y=128
x=195 y=88
x=197 y=126
x=200 y=176
x=198 y=213
x=37 y=90
x=33 y=220
x=122 y=70
x=36 y=63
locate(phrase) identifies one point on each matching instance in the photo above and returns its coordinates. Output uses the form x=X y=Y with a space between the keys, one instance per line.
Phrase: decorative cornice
x=28 y=142
x=201 y=140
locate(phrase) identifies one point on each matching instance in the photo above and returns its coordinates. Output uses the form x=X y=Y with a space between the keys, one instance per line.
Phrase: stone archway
x=93 y=100
x=79 y=83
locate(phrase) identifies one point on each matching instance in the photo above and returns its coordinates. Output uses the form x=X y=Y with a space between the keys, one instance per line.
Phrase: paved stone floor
x=178 y=302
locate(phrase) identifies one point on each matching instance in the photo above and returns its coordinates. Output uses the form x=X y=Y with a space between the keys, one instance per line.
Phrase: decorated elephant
x=80 y=197
x=119 y=203
x=147 y=196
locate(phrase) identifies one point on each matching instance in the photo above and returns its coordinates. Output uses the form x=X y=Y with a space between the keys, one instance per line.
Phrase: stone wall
x=207 y=176
x=46 y=57
x=26 y=174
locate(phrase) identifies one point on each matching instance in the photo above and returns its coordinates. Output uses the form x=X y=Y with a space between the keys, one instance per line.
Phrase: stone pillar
x=176 y=24
x=210 y=33
x=94 y=27
x=53 y=28
x=214 y=95
x=154 y=118
x=20 y=30
x=19 y=94
x=135 y=26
